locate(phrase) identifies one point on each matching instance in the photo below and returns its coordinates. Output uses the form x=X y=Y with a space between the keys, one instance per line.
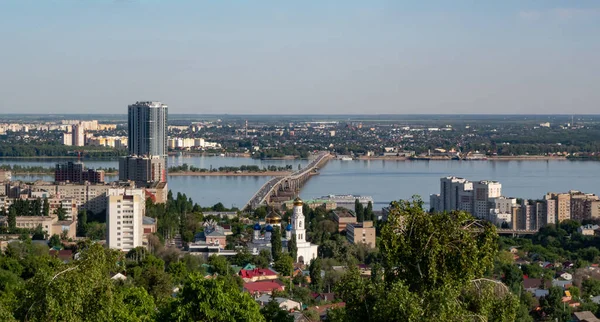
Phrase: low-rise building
x=361 y=233
x=313 y=204
x=343 y=217
x=588 y=230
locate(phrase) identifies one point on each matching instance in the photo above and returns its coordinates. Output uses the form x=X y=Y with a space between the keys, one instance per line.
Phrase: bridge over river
x=283 y=188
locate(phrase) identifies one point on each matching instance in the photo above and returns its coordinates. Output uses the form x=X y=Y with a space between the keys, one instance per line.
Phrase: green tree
x=273 y=313
x=434 y=266
x=316 y=280
x=590 y=287
x=12 y=219
x=178 y=271
x=293 y=247
x=55 y=241
x=369 y=215
x=60 y=212
x=46 y=207
x=219 y=265
x=553 y=306
x=359 y=210
x=276 y=246
x=78 y=291
x=284 y=265
x=211 y=300
x=82 y=224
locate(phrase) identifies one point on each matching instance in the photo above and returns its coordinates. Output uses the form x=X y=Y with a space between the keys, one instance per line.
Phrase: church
x=297 y=229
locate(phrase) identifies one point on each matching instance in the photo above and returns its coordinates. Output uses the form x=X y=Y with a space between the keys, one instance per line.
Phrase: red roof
x=263 y=286
x=257 y=272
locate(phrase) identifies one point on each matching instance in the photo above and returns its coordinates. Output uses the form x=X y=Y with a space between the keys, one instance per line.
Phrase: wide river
x=383 y=180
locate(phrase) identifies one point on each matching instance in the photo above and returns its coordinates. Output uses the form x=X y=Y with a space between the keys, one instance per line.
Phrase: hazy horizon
x=301 y=58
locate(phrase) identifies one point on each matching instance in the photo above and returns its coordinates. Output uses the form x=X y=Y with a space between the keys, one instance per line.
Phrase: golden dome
x=273 y=218
x=297 y=201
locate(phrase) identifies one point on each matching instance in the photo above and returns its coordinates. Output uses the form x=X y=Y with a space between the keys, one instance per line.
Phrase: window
x=118 y=238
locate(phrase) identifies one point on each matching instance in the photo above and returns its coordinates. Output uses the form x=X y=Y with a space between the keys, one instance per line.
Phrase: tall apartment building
x=461 y=194
x=147 y=125
x=483 y=193
x=143 y=169
x=147 y=143
x=455 y=194
x=124 y=219
x=78 y=135
x=75 y=135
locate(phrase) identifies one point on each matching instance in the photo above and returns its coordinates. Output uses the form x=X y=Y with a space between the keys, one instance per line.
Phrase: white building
x=483 y=192
x=124 y=219
x=306 y=250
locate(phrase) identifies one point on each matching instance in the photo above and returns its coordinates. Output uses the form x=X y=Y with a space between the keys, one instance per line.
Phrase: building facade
x=124 y=219
x=363 y=232
x=147 y=125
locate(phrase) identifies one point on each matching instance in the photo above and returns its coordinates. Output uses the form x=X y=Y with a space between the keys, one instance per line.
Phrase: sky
x=301 y=57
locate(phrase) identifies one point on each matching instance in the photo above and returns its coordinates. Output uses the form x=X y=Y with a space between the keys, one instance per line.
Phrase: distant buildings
x=461 y=194
x=484 y=200
x=348 y=201
x=187 y=143
x=124 y=219
x=5 y=176
x=76 y=173
x=75 y=135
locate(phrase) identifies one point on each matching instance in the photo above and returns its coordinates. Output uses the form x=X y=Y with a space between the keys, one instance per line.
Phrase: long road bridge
x=282 y=188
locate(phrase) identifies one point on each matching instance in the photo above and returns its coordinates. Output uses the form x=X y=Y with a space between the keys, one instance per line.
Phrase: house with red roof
x=258 y=274
x=263 y=287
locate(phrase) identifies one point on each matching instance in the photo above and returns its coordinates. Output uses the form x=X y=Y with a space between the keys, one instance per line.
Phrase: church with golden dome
x=295 y=229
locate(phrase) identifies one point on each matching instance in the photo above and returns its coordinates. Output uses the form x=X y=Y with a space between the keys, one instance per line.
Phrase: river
x=383 y=180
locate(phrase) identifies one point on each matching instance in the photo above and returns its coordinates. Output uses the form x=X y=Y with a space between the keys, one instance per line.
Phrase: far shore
x=186 y=173
x=489 y=158
x=232 y=174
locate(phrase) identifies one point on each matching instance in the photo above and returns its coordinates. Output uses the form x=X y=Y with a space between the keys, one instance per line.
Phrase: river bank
x=489 y=158
x=232 y=174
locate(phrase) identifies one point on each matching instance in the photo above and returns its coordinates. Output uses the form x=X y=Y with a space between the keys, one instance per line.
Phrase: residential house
x=285 y=304
x=118 y=277
x=586 y=316
x=588 y=230
x=566 y=276
x=258 y=274
x=263 y=287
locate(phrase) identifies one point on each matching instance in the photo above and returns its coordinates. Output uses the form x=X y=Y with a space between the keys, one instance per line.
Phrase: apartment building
x=343 y=217
x=461 y=194
x=363 y=232
x=124 y=219
x=483 y=193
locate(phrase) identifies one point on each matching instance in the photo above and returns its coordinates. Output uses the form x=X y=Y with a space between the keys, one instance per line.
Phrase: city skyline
x=312 y=58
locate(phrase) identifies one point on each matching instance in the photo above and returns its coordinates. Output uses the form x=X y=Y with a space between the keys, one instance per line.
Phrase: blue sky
x=301 y=57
